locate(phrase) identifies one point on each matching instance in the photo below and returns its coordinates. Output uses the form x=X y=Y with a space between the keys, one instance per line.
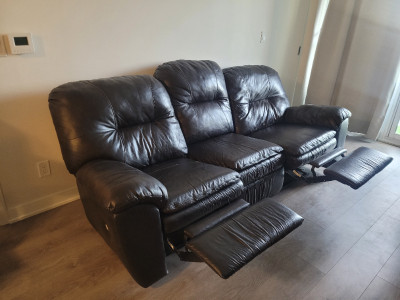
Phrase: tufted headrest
x=128 y=119
x=198 y=94
x=257 y=97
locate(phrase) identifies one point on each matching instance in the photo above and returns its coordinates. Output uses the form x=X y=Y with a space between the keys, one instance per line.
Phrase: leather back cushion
x=198 y=94
x=257 y=97
x=128 y=118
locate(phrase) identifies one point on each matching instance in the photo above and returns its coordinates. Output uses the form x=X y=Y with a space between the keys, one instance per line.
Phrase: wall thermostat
x=19 y=43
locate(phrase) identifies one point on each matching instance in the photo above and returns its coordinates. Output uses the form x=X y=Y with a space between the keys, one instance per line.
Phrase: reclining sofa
x=175 y=159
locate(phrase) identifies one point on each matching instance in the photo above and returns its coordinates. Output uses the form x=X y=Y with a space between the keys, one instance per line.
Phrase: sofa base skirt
x=265 y=187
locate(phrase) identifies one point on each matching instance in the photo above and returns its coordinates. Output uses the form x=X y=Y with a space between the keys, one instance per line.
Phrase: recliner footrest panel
x=232 y=244
x=359 y=167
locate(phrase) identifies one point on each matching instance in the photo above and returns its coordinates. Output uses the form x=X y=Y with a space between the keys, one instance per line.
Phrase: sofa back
x=128 y=118
x=198 y=94
x=257 y=97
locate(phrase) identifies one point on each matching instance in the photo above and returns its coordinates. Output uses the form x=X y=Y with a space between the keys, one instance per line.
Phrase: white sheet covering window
x=356 y=61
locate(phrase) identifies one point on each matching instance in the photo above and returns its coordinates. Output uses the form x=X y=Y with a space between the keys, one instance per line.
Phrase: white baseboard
x=43 y=204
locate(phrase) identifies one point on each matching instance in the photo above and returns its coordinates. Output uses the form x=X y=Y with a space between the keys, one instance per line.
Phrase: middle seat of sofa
x=198 y=93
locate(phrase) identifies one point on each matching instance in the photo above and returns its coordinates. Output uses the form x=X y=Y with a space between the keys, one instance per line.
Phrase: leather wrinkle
x=189 y=87
x=114 y=117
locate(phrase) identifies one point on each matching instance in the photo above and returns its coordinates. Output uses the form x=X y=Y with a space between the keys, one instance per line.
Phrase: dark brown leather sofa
x=161 y=160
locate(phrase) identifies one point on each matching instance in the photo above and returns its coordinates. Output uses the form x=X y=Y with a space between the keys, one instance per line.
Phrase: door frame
x=388 y=134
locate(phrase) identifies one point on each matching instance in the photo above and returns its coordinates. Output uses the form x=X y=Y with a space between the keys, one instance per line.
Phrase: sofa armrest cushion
x=326 y=116
x=116 y=186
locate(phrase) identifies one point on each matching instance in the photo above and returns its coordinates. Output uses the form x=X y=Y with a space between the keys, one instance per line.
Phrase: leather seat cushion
x=301 y=143
x=262 y=169
x=176 y=222
x=188 y=181
x=296 y=139
x=234 y=151
x=293 y=162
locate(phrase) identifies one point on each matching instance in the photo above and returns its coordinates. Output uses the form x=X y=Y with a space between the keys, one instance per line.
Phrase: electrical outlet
x=43 y=168
x=3 y=51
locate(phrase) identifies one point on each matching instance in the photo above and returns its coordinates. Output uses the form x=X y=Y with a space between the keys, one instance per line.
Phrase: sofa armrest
x=326 y=116
x=116 y=186
x=123 y=204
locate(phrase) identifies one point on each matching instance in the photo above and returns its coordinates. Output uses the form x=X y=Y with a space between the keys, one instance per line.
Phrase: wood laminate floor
x=347 y=248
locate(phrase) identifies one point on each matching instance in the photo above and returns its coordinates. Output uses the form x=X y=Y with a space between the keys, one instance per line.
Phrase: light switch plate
x=3 y=51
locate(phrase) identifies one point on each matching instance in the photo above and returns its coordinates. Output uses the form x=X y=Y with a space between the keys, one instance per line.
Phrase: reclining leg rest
x=359 y=167
x=353 y=170
x=235 y=242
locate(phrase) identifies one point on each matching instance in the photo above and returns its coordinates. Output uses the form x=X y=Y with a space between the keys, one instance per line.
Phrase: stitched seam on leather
x=216 y=100
x=154 y=100
x=216 y=83
x=272 y=107
x=247 y=89
x=114 y=117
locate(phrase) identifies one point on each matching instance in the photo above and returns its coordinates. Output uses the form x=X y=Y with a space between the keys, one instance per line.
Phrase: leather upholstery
x=359 y=167
x=131 y=141
x=293 y=162
x=296 y=140
x=115 y=119
x=189 y=181
x=301 y=143
x=110 y=131
x=198 y=94
x=313 y=115
x=261 y=109
x=262 y=169
x=247 y=151
x=175 y=223
x=215 y=218
x=199 y=97
x=116 y=186
x=257 y=97
x=234 y=243
x=141 y=251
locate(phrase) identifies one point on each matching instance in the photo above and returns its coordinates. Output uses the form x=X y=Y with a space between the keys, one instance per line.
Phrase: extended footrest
x=359 y=167
x=354 y=170
x=236 y=241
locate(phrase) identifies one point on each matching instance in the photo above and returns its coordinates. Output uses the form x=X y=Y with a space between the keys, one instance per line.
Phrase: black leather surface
x=215 y=218
x=234 y=151
x=301 y=143
x=189 y=181
x=314 y=115
x=296 y=139
x=128 y=118
x=116 y=186
x=232 y=244
x=176 y=222
x=266 y=186
x=359 y=167
x=257 y=97
x=254 y=173
x=198 y=94
x=328 y=157
x=293 y=162
x=141 y=251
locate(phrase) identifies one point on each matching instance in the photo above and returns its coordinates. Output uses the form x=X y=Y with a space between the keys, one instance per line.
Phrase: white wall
x=86 y=39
